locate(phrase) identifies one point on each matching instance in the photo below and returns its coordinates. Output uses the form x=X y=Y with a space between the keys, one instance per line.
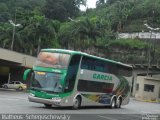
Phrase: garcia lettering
x=102 y=77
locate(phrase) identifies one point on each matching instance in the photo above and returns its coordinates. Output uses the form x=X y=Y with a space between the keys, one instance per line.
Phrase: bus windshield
x=54 y=60
x=46 y=81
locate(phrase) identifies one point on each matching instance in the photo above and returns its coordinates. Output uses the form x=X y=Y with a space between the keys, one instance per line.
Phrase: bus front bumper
x=55 y=102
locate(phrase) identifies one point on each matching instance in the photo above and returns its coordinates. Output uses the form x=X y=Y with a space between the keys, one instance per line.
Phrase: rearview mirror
x=26 y=72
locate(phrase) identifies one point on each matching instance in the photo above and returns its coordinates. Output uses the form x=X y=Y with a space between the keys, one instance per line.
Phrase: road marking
x=158 y=111
x=147 y=112
x=11 y=96
x=9 y=99
x=108 y=118
x=12 y=99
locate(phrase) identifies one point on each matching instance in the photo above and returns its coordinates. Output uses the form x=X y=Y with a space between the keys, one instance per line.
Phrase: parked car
x=15 y=85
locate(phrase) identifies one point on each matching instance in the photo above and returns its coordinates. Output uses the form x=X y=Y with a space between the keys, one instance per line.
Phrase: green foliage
x=129 y=43
x=61 y=24
x=62 y=9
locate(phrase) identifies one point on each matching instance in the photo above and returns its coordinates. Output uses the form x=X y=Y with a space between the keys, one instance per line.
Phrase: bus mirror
x=26 y=72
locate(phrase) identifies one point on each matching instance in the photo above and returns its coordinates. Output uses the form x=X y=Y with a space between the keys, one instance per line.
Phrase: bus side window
x=124 y=71
x=106 y=70
x=84 y=65
x=72 y=72
x=113 y=69
x=87 y=63
x=99 y=66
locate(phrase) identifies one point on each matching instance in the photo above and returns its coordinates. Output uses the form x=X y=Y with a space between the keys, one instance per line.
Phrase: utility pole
x=14 y=29
x=149 y=52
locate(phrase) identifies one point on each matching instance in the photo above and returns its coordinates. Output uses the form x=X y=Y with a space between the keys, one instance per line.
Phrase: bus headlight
x=56 y=99
x=66 y=101
x=32 y=94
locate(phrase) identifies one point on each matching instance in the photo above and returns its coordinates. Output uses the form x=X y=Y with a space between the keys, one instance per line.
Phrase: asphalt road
x=13 y=102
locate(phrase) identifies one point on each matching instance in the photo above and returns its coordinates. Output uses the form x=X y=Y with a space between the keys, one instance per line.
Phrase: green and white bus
x=72 y=78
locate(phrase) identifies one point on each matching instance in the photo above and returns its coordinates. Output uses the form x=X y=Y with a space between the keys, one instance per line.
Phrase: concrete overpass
x=15 y=58
x=13 y=64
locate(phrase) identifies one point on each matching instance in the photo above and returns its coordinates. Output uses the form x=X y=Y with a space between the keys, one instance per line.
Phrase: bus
x=62 y=78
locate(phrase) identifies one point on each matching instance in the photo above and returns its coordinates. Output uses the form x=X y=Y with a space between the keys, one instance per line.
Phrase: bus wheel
x=118 y=103
x=113 y=103
x=76 y=103
x=47 y=105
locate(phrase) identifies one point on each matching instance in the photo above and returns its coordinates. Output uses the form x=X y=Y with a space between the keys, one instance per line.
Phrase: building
x=148 y=89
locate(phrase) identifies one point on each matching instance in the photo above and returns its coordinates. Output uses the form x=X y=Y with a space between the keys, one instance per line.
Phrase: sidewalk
x=13 y=90
x=143 y=100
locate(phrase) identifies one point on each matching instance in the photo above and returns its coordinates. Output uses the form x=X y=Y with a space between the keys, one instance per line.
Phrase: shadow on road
x=11 y=90
x=82 y=108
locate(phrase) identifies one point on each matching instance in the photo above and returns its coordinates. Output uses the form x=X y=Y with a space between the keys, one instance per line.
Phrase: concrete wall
x=142 y=35
x=24 y=60
x=135 y=73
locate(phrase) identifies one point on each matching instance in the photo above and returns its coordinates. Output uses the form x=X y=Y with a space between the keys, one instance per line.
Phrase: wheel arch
x=119 y=97
x=77 y=95
x=113 y=97
x=77 y=100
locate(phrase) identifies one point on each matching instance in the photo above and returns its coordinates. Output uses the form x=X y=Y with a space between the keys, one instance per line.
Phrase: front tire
x=76 y=103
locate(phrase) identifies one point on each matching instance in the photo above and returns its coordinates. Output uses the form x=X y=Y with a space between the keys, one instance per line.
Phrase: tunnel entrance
x=10 y=71
x=4 y=73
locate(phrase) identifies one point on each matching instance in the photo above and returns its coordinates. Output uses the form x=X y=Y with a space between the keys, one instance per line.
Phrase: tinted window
x=72 y=72
x=137 y=87
x=17 y=82
x=124 y=71
x=148 y=88
x=93 y=64
x=92 y=86
x=11 y=83
x=104 y=66
x=99 y=66
x=112 y=68
x=87 y=63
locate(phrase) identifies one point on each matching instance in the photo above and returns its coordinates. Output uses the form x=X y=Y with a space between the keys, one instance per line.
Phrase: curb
x=150 y=101
x=13 y=90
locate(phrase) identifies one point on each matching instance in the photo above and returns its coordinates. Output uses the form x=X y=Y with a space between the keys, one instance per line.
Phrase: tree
x=42 y=32
x=62 y=9
x=100 y=3
x=5 y=35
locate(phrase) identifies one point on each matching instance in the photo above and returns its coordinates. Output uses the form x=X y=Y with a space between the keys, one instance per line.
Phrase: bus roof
x=83 y=54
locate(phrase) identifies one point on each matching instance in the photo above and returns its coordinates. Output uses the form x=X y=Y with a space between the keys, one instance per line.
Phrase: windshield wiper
x=35 y=88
